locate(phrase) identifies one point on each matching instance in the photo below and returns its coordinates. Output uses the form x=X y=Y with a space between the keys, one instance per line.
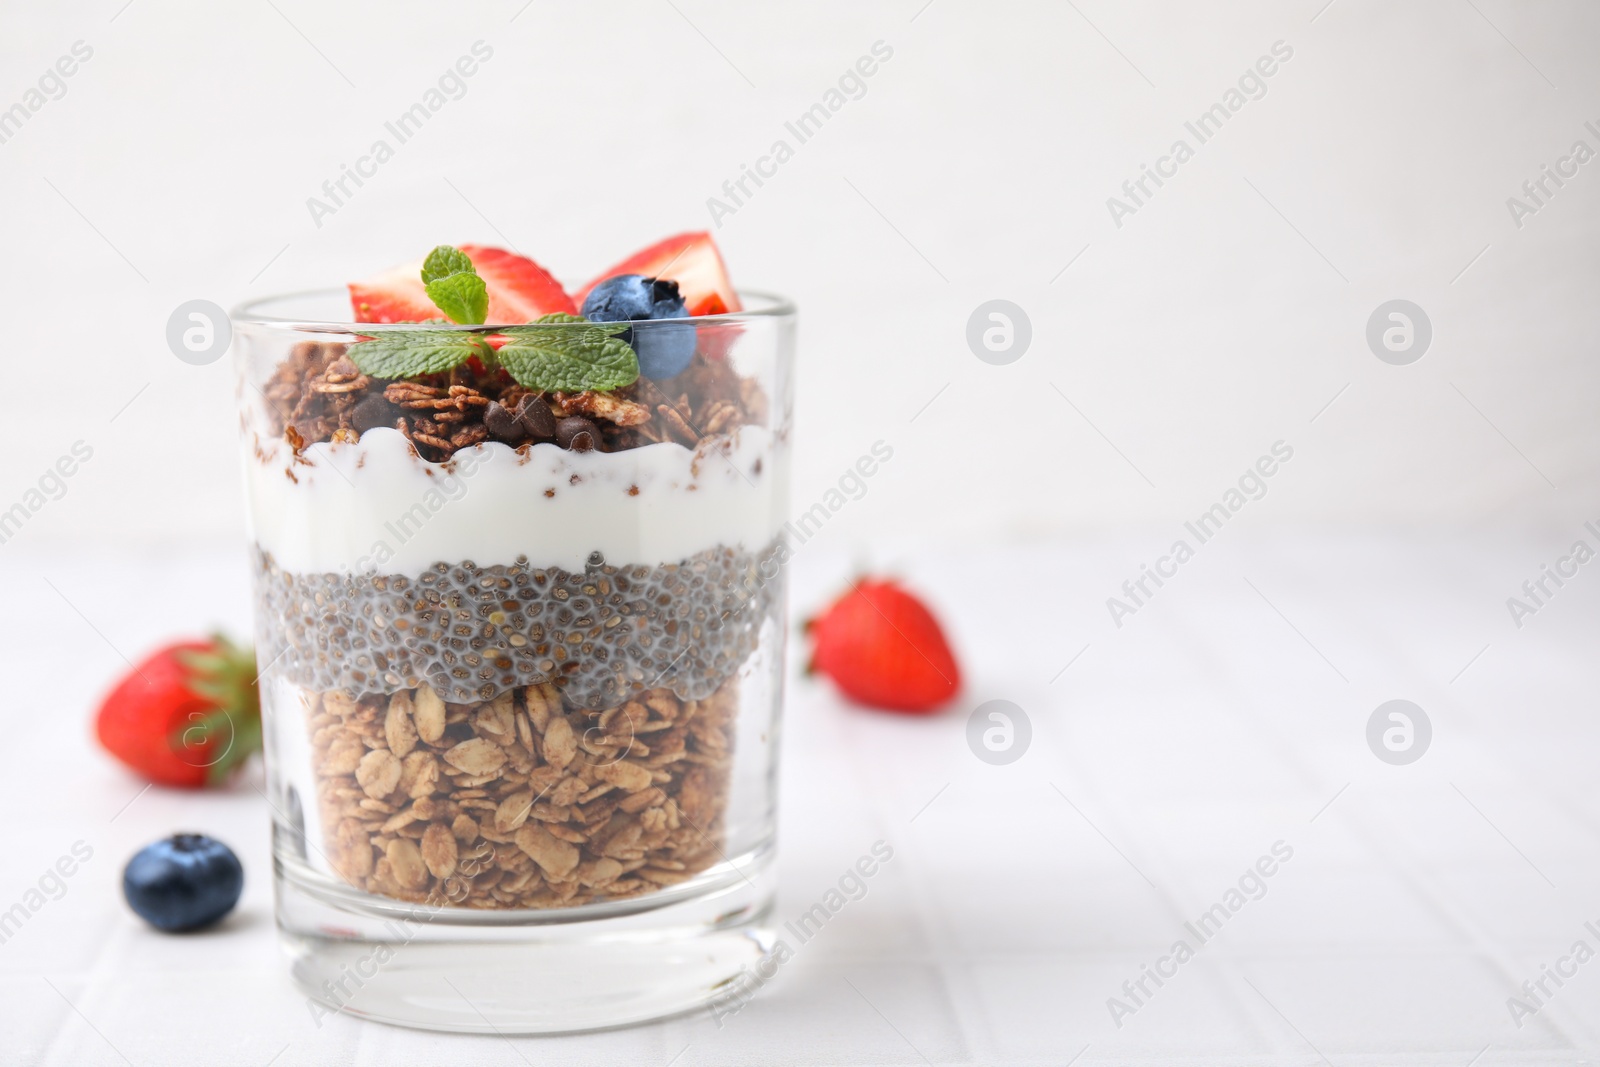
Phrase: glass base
x=526 y=972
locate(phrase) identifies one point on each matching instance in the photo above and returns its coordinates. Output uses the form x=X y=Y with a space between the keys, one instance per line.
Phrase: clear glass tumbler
x=522 y=669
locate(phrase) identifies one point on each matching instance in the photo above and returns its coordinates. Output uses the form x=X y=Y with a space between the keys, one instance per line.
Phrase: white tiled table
x=1170 y=755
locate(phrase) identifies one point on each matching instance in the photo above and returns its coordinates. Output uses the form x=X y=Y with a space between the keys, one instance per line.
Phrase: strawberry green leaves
x=226 y=676
x=554 y=352
x=453 y=285
x=569 y=353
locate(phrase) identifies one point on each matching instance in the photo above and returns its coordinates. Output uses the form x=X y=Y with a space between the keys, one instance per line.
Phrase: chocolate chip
x=502 y=424
x=371 y=412
x=578 y=434
x=536 y=417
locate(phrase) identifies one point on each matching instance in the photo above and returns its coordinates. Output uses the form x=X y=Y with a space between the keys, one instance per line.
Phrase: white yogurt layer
x=376 y=507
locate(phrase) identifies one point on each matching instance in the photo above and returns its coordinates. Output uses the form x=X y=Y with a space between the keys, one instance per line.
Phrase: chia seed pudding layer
x=603 y=635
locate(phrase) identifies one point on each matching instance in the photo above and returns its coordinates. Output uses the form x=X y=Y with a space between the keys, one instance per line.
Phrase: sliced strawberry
x=691 y=260
x=519 y=289
x=711 y=305
x=395 y=295
x=715 y=341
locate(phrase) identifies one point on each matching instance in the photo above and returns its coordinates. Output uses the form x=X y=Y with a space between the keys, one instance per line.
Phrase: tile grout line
x=937 y=939
x=1476 y=940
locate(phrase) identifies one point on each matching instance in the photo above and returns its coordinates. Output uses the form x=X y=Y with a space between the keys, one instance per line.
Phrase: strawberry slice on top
x=396 y=295
x=519 y=291
x=691 y=260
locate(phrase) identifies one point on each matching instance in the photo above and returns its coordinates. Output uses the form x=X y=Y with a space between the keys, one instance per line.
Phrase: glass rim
x=253 y=313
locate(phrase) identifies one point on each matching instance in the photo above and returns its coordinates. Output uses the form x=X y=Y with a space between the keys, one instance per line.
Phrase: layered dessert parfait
x=515 y=551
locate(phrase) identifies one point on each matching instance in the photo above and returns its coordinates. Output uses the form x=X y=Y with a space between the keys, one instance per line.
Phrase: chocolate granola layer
x=318 y=394
x=522 y=801
x=606 y=634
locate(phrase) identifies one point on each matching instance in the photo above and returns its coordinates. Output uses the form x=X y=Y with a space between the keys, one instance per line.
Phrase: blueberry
x=627 y=296
x=183 y=882
x=664 y=351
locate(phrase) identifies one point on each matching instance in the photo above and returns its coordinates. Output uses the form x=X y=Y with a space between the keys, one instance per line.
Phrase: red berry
x=883 y=648
x=711 y=305
x=714 y=341
x=396 y=295
x=519 y=291
x=691 y=260
x=186 y=716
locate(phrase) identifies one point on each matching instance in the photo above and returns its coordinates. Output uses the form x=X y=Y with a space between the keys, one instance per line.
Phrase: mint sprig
x=586 y=356
x=414 y=352
x=444 y=261
x=453 y=285
x=554 y=352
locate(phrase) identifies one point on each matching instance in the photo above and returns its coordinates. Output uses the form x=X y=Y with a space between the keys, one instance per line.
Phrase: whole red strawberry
x=883 y=648
x=187 y=715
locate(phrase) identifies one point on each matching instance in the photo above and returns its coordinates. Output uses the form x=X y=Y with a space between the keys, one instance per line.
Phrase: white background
x=1194 y=336
x=1227 y=314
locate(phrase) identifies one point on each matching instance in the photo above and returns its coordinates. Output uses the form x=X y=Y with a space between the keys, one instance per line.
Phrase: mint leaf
x=405 y=354
x=445 y=261
x=454 y=286
x=568 y=353
x=561 y=318
x=462 y=297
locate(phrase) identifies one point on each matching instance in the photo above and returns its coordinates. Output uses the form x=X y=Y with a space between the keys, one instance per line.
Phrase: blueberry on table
x=183 y=882
x=664 y=351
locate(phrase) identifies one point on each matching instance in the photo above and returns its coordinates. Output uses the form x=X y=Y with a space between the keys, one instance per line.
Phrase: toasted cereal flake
x=338 y=702
x=352 y=851
x=513 y=812
x=428 y=712
x=439 y=850
x=629 y=777
x=476 y=757
x=596 y=873
x=542 y=700
x=399 y=820
x=556 y=858
x=378 y=773
x=398 y=728
x=405 y=861
x=560 y=744
x=567 y=792
x=419 y=774
x=342 y=757
x=637 y=802
x=495 y=720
